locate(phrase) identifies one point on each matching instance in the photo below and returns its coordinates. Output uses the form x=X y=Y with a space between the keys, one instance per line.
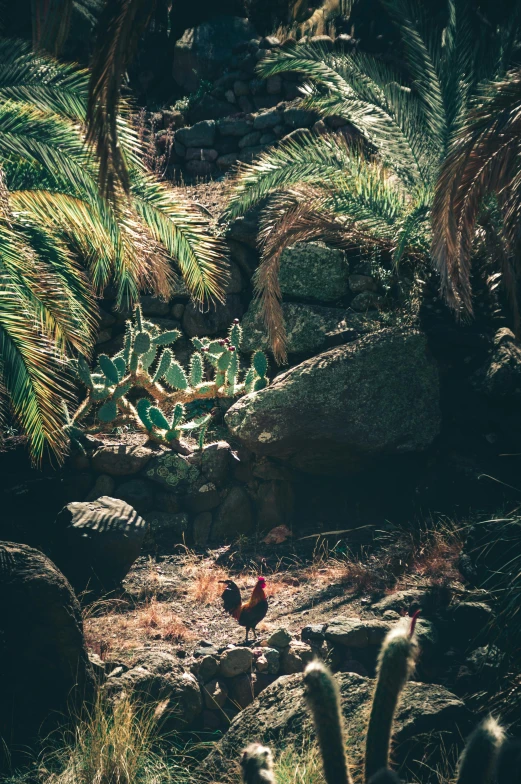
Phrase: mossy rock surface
x=173 y=472
x=338 y=411
x=306 y=326
x=313 y=271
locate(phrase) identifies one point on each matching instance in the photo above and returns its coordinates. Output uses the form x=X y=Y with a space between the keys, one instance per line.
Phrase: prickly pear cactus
x=146 y=361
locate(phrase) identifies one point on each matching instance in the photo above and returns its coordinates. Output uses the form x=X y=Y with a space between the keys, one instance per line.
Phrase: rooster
x=251 y=613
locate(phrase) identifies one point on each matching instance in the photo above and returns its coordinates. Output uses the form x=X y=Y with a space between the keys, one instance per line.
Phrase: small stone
x=208 y=668
x=202 y=134
x=355 y=633
x=325 y=41
x=359 y=283
x=215 y=694
x=391 y=615
x=269 y=42
x=314 y=632
x=267 y=120
x=178 y=310
x=267 y=138
x=280 y=638
x=135 y=492
x=198 y=154
x=250 y=139
x=295 y=657
x=366 y=300
x=230 y=96
x=236 y=661
x=163 y=522
x=104 y=485
x=167 y=502
x=242 y=690
x=299 y=118
x=261 y=664
x=226 y=161
x=241 y=88
x=234 y=127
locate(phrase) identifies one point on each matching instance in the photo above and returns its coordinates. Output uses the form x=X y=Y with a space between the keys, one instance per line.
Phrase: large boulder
x=96 y=542
x=307 y=326
x=203 y=51
x=312 y=271
x=338 y=411
x=429 y=718
x=44 y=666
x=121 y=459
x=156 y=678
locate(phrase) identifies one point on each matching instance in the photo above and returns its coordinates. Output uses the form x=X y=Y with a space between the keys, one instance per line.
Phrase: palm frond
x=51 y=21
x=120 y=27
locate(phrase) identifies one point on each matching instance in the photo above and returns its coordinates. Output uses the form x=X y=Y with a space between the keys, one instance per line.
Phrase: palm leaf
x=120 y=27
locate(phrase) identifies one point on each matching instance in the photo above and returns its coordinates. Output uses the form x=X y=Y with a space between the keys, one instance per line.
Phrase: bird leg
x=247 y=634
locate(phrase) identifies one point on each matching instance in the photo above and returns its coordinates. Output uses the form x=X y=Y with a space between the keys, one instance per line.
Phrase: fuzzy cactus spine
x=478 y=761
x=322 y=697
x=395 y=664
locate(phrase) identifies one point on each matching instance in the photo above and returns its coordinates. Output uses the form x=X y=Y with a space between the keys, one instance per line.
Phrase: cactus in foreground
x=395 y=665
x=146 y=361
x=257 y=765
x=323 y=699
x=487 y=756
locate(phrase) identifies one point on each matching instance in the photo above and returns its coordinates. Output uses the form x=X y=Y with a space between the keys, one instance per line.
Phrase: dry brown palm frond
x=485 y=161
x=51 y=21
x=300 y=214
x=120 y=27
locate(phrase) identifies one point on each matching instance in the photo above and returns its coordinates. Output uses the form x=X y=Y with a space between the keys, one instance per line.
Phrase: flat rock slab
x=335 y=413
x=355 y=633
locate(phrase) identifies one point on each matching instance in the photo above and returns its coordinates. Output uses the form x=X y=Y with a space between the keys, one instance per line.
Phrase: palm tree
x=484 y=161
x=62 y=242
x=378 y=191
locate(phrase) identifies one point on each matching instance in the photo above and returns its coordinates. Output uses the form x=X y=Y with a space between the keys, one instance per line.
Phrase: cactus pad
x=108 y=411
x=142 y=343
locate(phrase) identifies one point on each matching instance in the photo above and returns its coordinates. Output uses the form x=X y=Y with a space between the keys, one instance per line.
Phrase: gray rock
x=234 y=516
x=280 y=638
x=201 y=154
x=104 y=485
x=216 y=319
x=295 y=657
x=165 y=523
x=366 y=300
x=215 y=694
x=225 y=162
x=121 y=459
x=307 y=326
x=167 y=502
x=153 y=306
x=135 y=492
x=267 y=120
x=173 y=472
x=375 y=397
x=204 y=50
x=273 y=85
x=359 y=283
x=471 y=621
x=199 y=168
x=216 y=462
x=280 y=717
x=325 y=41
x=313 y=271
x=45 y=670
x=208 y=668
x=250 y=140
x=355 y=633
x=235 y=283
x=271 y=661
x=202 y=134
x=242 y=690
x=235 y=661
x=267 y=138
x=314 y=632
x=230 y=126
x=275 y=505
x=96 y=542
x=156 y=679
x=269 y=42
x=241 y=88
x=402 y=601
x=299 y=118
x=204 y=500
x=177 y=311
x=202 y=527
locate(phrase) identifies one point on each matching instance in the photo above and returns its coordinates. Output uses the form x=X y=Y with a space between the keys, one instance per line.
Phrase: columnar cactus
x=486 y=757
x=146 y=361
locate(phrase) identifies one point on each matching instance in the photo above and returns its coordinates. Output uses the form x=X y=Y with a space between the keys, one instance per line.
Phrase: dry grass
x=115 y=625
x=203 y=577
x=115 y=744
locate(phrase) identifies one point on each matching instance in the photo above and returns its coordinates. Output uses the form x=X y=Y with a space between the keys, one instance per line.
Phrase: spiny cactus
x=257 y=765
x=323 y=699
x=146 y=361
x=486 y=757
x=395 y=665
